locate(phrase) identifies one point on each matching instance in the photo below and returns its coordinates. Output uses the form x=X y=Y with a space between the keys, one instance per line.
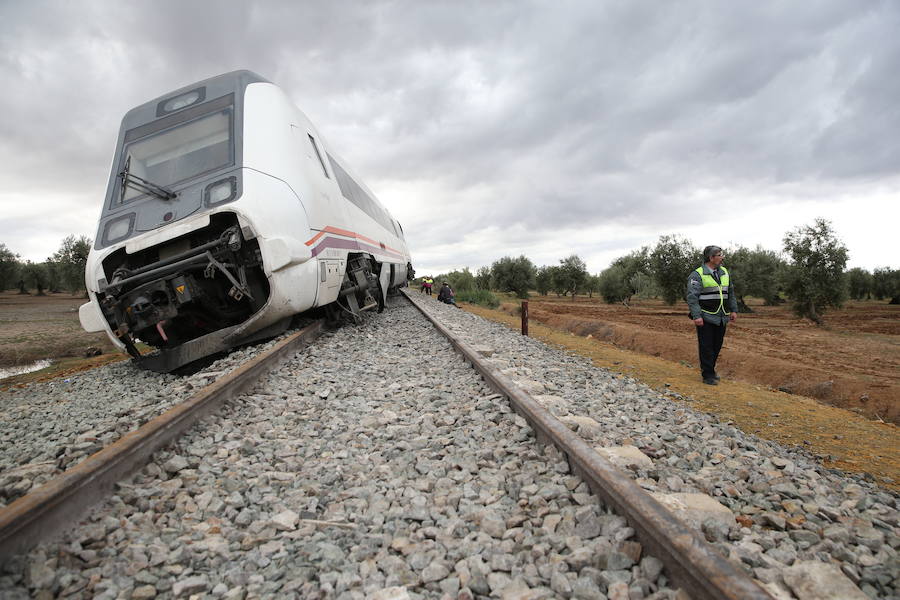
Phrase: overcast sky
x=495 y=128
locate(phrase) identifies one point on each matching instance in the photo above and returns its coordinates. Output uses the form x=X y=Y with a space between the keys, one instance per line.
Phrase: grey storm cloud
x=550 y=115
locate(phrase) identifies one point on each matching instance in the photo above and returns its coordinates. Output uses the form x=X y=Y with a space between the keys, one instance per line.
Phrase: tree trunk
x=895 y=300
x=742 y=306
x=813 y=315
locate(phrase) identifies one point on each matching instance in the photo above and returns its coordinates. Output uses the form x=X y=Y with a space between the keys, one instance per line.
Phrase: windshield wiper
x=142 y=185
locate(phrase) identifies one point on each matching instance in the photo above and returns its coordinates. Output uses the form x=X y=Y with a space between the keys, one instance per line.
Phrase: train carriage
x=227 y=214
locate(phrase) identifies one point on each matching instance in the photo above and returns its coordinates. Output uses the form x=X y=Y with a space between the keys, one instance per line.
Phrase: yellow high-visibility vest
x=713 y=295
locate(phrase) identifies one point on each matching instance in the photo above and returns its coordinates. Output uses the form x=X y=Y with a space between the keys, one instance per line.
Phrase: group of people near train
x=427 y=284
x=445 y=294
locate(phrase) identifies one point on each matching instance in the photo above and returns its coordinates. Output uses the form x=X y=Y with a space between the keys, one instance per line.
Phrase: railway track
x=692 y=563
x=345 y=472
x=62 y=500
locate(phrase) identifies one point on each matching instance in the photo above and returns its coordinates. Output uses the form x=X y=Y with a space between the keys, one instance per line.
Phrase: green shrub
x=482 y=297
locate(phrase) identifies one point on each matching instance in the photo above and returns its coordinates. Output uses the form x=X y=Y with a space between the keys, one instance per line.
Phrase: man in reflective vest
x=710 y=296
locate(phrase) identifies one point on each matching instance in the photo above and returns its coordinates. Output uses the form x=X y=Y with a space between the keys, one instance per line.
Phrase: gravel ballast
x=376 y=463
x=46 y=428
x=791 y=513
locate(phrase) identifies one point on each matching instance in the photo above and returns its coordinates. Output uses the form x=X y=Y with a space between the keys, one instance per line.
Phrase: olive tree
x=559 y=283
x=9 y=267
x=614 y=284
x=483 y=278
x=460 y=280
x=571 y=274
x=543 y=280
x=894 y=286
x=591 y=285
x=54 y=273
x=671 y=260
x=644 y=285
x=513 y=275
x=815 y=279
x=69 y=263
x=756 y=273
x=35 y=275
x=628 y=276
x=886 y=284
x=860 y=283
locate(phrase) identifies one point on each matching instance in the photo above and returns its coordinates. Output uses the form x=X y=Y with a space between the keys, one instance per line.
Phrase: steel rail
x=692 y=563
x=57 y=504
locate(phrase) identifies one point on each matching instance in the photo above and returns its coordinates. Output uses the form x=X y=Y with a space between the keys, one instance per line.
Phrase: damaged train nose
x=207 y=282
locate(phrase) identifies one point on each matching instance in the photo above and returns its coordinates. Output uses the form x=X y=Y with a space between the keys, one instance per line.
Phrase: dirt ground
x=38 y=327
x=657 y=345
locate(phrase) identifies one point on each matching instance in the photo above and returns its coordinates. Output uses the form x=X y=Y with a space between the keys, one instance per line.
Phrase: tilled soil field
x=853 y=361
x=33 y=328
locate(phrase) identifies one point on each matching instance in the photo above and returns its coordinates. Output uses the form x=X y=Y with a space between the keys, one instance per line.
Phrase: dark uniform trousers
x=710 y=338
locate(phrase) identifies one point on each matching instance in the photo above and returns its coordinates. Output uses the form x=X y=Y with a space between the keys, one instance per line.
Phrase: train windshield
x=182 y=152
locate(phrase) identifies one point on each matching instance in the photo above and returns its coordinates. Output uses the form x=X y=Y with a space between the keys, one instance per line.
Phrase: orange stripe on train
x=344 y=232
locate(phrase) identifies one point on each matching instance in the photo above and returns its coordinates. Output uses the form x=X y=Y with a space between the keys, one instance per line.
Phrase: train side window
x=318 y=154
x=353 y=192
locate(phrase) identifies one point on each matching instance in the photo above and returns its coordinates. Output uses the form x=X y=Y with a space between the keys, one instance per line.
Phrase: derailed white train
x=226 y=215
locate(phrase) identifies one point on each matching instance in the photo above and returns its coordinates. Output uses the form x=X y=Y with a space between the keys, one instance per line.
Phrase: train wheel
x=360 y=290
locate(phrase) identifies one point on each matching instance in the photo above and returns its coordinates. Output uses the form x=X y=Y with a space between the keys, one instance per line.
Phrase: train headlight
x=118 y=229
x=224 y=190
x=181 y=101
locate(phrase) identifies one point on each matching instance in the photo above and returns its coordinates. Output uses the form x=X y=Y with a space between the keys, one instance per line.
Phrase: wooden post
x=524 y=317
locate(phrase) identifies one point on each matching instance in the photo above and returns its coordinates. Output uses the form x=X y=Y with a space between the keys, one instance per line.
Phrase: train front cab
x=193 y=251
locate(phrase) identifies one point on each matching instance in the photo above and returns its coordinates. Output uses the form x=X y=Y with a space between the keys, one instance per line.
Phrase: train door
x=323 y=202
x=326 y=212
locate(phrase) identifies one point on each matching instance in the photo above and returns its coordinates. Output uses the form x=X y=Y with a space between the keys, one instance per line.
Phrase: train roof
x=213 y=87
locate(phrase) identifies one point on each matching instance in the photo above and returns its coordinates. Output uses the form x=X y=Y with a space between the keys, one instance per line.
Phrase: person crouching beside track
x=446 y=295
x=710 y=297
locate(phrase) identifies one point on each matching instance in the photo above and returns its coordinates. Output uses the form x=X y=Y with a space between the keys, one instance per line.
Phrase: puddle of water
x=9 y=372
